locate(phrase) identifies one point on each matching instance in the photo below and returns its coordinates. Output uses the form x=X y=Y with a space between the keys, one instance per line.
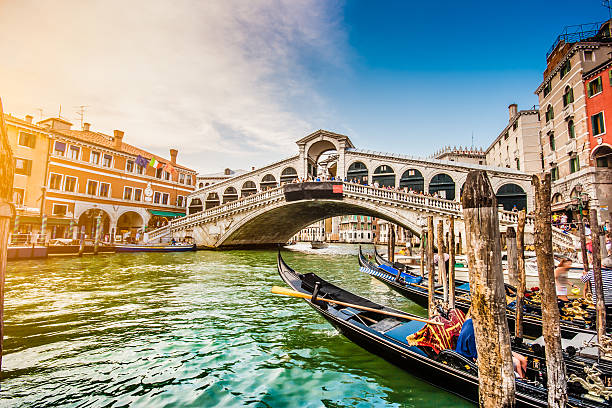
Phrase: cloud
x=220 y=80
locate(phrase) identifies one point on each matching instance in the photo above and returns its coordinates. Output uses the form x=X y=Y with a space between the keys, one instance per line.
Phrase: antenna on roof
x=81 y=113
x=472 y=140
x=606 y=4
x=40 y=111
x=59 y=115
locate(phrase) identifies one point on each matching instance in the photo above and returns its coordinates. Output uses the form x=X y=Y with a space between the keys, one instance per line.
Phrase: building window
x=595 y=87
x=95 y=158
x=565 y=69
x=554 y=173
x=505 y=135
x=108 y=160
x=571 y=131
x=166 y=175
x=55 y=181
x=104 y=189
x=179 y=201
x=92 y=187
x=27 y=139
x=599 y=161
x=550 y=113
x=182 y=176
x=568 y=96
x=137 y=194
x=551 y=141
x=547 y=89
x=610 y=75
x=60 y=209
x=18 y=196
x=59 y=148
x=74 y=152
x=515 y=125
x=188 y=179
x=518 y=164
x=23 y=166
x=139 y=169
x=597 y=121
x=574 y=164
x=129 y=166
x=158 y=172
x=70 y=184
x=165 y=198
x=588 y=55
x=156 y=197
x=127 y=193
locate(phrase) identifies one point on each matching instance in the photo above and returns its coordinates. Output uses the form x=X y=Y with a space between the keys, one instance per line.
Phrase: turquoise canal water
x=192 y=330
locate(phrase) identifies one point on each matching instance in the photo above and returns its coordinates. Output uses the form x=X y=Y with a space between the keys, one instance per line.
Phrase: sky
x=235 y=83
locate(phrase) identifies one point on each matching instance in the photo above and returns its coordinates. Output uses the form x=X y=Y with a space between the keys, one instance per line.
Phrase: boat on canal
x=318 y=244
x=178 y=247
x=576 y=327
x=386 y=336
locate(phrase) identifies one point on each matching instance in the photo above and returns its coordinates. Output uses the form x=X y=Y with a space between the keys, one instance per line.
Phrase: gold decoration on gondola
x=593 y=384
x=605 y=346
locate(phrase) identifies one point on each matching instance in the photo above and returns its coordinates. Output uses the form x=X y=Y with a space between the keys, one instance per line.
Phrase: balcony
x=570 y=147
x=548 y=127
x=568 y=111
x=551 y=157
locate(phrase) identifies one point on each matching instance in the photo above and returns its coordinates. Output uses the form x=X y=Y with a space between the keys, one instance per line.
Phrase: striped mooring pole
x=71 y=229
x=43 y=227
x=16 y=226
x=97 y=237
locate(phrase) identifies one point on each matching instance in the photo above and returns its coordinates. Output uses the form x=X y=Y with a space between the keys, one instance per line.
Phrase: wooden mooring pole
x=600 y=306
x=511 y=255
x=431 y=307
x=441 y=264
x=521 y=282
x=422 y=249
x=451 y=264
x=392 y=243
x=555 y=366
x=495 y=371
x=7 y=171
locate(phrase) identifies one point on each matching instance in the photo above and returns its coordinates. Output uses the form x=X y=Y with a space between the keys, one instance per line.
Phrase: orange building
x=92 y=174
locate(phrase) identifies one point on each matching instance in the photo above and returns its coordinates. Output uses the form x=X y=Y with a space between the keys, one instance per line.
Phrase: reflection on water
x=192 y=329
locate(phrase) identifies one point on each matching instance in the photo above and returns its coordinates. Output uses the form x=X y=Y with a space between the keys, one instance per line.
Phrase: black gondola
x=532 y=322
x=386 y=337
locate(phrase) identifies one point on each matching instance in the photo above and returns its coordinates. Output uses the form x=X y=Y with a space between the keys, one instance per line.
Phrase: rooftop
x=597 y=31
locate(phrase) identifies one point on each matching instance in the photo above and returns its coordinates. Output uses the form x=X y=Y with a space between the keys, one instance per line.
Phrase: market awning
x=167 y=213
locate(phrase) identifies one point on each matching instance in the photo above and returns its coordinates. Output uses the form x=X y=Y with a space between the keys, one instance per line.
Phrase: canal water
x=194 y=329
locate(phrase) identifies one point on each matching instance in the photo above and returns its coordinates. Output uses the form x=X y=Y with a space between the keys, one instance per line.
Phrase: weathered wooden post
x=431 y=307
x=597 y=278
x=555 y=366
x=391 y=243
x=521 y=284
x=441 y=264
x=451 y=264
x=422 y=250
x=495 y=371
x=583 y=247
x=7 y=171
x=512 y=256
x=459 y=244
x=97 y=236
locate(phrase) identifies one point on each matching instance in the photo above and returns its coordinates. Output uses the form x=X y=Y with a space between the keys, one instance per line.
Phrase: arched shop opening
x=384 y=176
x=212 y=200
x=511 y=196
x=129 y=224
x=161 y=218
x=248 y=188
x=413 y=180
x=230 y=194
x=195 y=206
x=444 y=185
x=268 y=181
x=288 y=175
x=357 y=172
x=87 y=224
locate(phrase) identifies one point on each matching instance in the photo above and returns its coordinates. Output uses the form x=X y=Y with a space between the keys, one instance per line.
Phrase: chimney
x=118 y=139
x=87 y=125
x=173 y=154
x=512 y=110
x=29 y=118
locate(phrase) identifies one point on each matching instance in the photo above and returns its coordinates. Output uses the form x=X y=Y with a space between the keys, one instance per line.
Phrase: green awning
x=167 y=213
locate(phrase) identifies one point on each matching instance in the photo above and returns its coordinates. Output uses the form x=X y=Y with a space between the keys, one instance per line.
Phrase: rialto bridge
x=254 y=209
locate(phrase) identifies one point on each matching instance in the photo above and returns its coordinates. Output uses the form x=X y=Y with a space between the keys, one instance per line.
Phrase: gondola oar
x=288 y=292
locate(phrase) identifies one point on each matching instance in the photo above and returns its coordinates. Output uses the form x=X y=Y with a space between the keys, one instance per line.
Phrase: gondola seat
x=456 y=360
x=465 y=286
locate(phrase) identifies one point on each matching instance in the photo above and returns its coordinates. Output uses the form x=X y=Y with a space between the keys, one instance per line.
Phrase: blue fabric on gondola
x=465 y=286
x=466 y=343
x=401 y=332
x=407 y=277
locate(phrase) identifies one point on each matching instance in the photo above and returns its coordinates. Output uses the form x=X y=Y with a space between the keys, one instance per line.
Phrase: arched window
x=384 y=176
x=568 y=96
x=195 y=206
x=444 y=185
x=550 y=113
x=200 y=185
x=358 y=172
x=557 y=198
x=511 y=195
x=212 y=200
x=230 y=194
x=288 y=175
x=570 y=129
x=413 y=180
x=268 y=181
x=248 y=188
